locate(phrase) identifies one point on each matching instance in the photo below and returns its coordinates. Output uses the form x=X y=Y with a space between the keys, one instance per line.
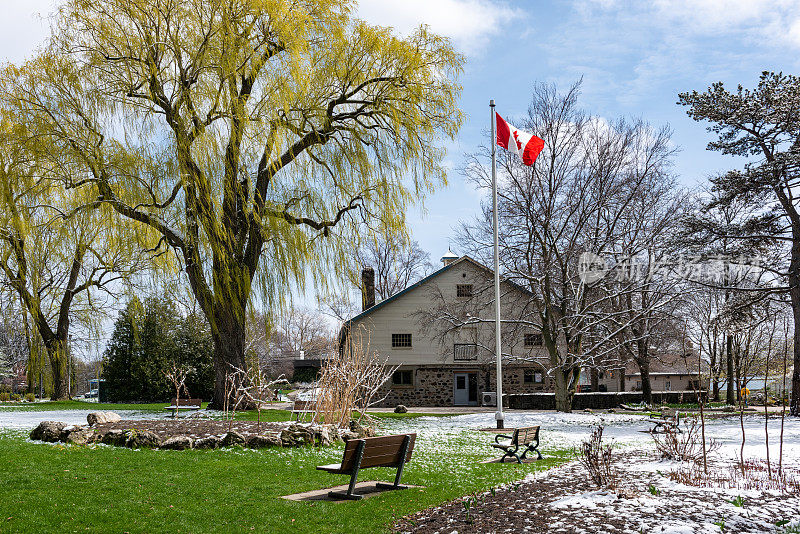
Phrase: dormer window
x=464 y=290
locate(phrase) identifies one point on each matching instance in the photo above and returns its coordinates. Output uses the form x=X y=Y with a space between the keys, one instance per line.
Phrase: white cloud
x=776 y=22
x=469 y=23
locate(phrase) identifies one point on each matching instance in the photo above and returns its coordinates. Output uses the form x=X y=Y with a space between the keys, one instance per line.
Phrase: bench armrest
x=506 y=436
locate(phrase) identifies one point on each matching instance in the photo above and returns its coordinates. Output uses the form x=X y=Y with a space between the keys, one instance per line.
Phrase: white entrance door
x=461 y=389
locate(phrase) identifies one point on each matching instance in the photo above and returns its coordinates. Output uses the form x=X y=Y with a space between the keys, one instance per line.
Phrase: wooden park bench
x=665 y=420
x=302 y=407
x=384 y=451
x=184 y=404
x=527 y=437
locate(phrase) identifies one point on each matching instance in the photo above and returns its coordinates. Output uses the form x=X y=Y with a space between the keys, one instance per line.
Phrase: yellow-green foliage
x=258 y=139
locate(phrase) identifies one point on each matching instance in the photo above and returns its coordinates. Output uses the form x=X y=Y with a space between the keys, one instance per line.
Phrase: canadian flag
x=527 y=146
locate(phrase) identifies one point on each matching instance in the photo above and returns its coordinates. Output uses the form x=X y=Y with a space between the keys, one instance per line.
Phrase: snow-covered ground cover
x=648 y=498
x=11 y=418
x=564 y=430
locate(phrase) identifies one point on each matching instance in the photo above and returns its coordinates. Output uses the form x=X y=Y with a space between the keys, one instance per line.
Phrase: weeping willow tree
x=255 y=139
x=55 y=253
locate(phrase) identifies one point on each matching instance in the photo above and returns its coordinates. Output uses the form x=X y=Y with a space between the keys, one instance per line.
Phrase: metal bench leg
x=396 y=485
x=351 y=494
x=532 y=448
x=511 y=454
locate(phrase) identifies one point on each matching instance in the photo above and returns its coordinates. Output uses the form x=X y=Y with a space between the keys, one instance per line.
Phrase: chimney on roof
x=449 y=257
x=367 y=288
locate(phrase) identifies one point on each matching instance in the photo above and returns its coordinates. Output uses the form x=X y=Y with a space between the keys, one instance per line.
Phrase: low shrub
x=5 y=396
x=598 y=459
x=751 y=475
x=684 y=444
x=16 y=397
x=30 y=397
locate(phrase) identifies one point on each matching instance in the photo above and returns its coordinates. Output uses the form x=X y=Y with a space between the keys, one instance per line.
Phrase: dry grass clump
x=349 y=382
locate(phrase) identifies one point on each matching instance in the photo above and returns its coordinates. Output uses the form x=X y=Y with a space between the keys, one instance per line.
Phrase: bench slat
x=383 y=451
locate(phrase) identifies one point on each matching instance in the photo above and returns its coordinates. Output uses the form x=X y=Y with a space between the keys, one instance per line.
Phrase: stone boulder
x=296 y=436
x=400 y=408
x=232 y=438
x=327 y=435
x=49 y=431
x=65 y=432
x=178 y=443
x=143 y=439
x=115 y=437
x=211 y=442
x=361 y=430
x=260 y=442
x=81 y=436
x=347 y=435
x=102 y=417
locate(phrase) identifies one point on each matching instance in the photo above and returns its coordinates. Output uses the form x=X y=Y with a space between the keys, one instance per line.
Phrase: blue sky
x=634 y=56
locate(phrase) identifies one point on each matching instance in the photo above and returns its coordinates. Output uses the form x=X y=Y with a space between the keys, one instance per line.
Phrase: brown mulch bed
x=563 y=500
x=194 y=428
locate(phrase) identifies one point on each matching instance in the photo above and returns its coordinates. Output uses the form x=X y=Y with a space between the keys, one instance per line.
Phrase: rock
x=66 y=431
x=115 y=437
x=143 y=439
x=232 y=438
x=361 y=430
x=329 y=434
x=178 y=443
x=260 y=442
x=102 y=417
x=347 y=435
x=211 y=442
x=49 y=431
x=400 y=408
x=296 y=436
x=81 y=436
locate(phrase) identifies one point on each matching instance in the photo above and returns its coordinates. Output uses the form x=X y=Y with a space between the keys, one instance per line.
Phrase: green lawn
x=53 y=488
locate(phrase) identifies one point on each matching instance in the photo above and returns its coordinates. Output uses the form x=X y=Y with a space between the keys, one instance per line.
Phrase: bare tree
x=576 y=199
x=397 y=261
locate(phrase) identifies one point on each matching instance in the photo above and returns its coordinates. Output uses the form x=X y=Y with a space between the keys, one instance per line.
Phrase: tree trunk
x=794 y=283
x=714 y=369
x=564 y=390
x=647 y=388
x=730 y=395
x=57 y=353
x=643 y=361
x=228 y=333
x=622 y=380
x=594 y=377
x=794 y=295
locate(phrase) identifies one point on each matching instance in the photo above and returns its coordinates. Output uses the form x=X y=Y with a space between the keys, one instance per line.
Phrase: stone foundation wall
x=433 y=385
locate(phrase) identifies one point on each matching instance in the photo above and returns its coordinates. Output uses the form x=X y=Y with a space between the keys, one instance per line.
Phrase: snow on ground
x=560 y=430
x=11 y=418
x=648 y=500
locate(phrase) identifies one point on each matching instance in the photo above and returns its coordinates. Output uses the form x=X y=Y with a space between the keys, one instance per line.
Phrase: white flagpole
x=498 y=351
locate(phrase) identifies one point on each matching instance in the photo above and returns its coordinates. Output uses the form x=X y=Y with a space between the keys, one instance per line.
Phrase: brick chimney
x=367 y=288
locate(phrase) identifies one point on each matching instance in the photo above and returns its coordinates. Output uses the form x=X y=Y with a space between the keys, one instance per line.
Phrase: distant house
x=439 y=365
x=668 y=372
x=17 y=380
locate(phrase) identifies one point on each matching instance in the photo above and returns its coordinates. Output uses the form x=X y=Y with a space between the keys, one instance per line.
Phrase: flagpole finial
x=491 y=103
